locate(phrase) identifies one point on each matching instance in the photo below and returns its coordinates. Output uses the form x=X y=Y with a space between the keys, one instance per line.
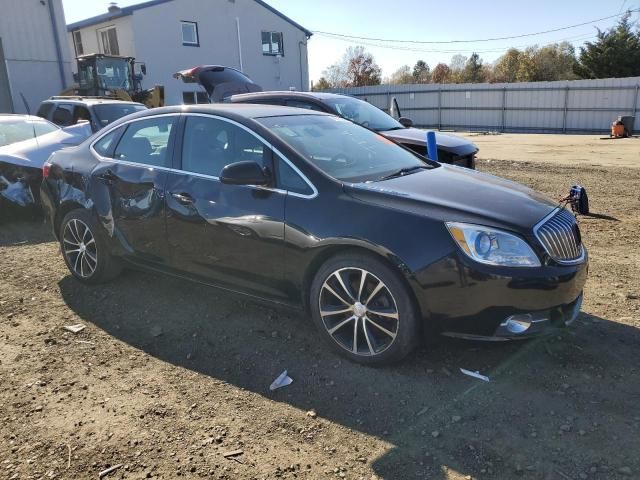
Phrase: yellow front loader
x=115 y=77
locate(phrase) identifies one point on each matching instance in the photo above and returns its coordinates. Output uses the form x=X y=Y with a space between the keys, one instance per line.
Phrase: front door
x=134 y=174
x=229 y=235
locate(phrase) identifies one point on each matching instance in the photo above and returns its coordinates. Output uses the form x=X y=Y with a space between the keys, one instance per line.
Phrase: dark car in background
x=99 y=112
x=451 y=148
x=225 y=84
x=313 y=211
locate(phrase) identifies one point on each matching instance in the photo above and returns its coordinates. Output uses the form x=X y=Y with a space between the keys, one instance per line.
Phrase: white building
x=173 y=35
x=35 y=61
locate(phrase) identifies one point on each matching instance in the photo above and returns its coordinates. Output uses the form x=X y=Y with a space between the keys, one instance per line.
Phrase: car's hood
x=451 y=143
x=450 y=193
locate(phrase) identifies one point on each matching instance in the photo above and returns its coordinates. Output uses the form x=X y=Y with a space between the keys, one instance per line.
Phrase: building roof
x=125 y=11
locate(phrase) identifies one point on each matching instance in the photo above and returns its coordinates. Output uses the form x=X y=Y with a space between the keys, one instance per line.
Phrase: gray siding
x=157 y=40
x=30 y=54
x=576 y=106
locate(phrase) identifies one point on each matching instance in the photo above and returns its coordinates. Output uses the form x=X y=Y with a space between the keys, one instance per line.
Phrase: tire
x=85 y=250
x=384 y=324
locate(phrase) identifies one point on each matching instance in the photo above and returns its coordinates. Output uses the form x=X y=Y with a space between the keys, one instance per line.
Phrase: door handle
x=108 y=176
x=182 y=198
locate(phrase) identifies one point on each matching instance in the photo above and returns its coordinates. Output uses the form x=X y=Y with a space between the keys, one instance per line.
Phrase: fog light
x=518 y=323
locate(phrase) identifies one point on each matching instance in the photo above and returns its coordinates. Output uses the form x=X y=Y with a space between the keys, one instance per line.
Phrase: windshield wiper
x=391 y=129
x=404 y=171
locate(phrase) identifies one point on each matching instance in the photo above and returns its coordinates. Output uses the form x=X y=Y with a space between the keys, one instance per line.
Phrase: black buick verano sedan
x=310 y=210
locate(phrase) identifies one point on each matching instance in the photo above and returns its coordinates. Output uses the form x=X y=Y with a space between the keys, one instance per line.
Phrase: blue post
x=432 y=146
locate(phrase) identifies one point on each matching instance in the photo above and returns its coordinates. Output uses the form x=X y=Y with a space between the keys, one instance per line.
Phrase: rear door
x=229 y=235
x=134 y=174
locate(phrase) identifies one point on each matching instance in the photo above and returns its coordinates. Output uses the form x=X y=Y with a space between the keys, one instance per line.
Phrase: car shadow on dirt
x=540 y=414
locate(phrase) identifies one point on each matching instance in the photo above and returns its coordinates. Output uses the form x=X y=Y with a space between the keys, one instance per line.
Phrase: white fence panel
x=579 y=106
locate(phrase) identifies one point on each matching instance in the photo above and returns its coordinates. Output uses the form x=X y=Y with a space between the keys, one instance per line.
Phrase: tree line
x=614 y=53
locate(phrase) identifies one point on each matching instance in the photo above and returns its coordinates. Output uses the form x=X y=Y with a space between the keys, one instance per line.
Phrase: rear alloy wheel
x=85 y=252
x=79 y=248
x=364 y=310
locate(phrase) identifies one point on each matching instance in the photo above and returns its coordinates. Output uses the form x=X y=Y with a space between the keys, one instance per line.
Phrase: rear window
x=19 y=130
x=110 y=112
x=45 y=110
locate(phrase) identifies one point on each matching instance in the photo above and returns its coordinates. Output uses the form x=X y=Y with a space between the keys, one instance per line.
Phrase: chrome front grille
x=560 y=236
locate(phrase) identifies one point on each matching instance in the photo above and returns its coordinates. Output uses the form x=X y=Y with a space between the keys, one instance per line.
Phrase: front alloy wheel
x=359 y=311
x=364 y=309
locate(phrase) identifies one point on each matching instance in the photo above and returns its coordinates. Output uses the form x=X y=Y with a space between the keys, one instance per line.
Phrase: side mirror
x=244 y=173
x=143 y=68
x=405 y=122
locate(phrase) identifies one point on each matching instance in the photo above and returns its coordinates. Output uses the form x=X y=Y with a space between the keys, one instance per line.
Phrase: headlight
x=492 y=246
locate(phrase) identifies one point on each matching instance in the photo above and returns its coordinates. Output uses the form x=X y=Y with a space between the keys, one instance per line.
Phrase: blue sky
x=424 y=20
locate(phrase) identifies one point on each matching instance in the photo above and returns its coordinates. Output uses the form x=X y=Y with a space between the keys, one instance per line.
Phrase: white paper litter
x=475 y=374
x=75 y=328
x=282 y=381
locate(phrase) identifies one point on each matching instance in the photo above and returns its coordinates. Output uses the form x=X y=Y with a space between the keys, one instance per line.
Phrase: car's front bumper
x=482 y=302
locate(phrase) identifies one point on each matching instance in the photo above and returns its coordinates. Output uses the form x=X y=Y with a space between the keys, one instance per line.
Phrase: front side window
x=210 y=144
x=109 y=41
x=290 y=180
x=342 y=149
x=146 y=142
x=190 y=34
x=272 y=43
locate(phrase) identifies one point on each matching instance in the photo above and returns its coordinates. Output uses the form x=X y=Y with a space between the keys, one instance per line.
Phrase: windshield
x=114 y=73
x=341 y=149
x=14 y=131
x=363 y=113
x=110 y=112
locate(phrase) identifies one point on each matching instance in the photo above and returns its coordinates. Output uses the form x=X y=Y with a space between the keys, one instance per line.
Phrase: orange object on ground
x=617 y=129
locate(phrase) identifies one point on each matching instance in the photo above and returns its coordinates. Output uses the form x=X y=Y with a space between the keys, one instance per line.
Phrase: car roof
x=288 y=94
x=245 y=110
x=90 y=101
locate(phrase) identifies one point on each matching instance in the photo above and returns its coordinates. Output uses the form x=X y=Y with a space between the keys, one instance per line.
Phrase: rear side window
x=45 y=110
x=104 y=146
x=147 y=142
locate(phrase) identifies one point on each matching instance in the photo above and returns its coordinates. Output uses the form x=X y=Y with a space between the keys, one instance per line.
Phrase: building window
x=109 y=40
x=77 y=43
x=192 y=98
x=190 y=34
x=272 y=43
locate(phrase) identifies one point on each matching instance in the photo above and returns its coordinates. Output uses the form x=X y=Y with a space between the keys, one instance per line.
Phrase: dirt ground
x=169 y=376
x=582 y=150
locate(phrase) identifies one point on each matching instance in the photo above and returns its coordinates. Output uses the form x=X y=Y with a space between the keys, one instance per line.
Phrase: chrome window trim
x=537 y=227
x=201 y=175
